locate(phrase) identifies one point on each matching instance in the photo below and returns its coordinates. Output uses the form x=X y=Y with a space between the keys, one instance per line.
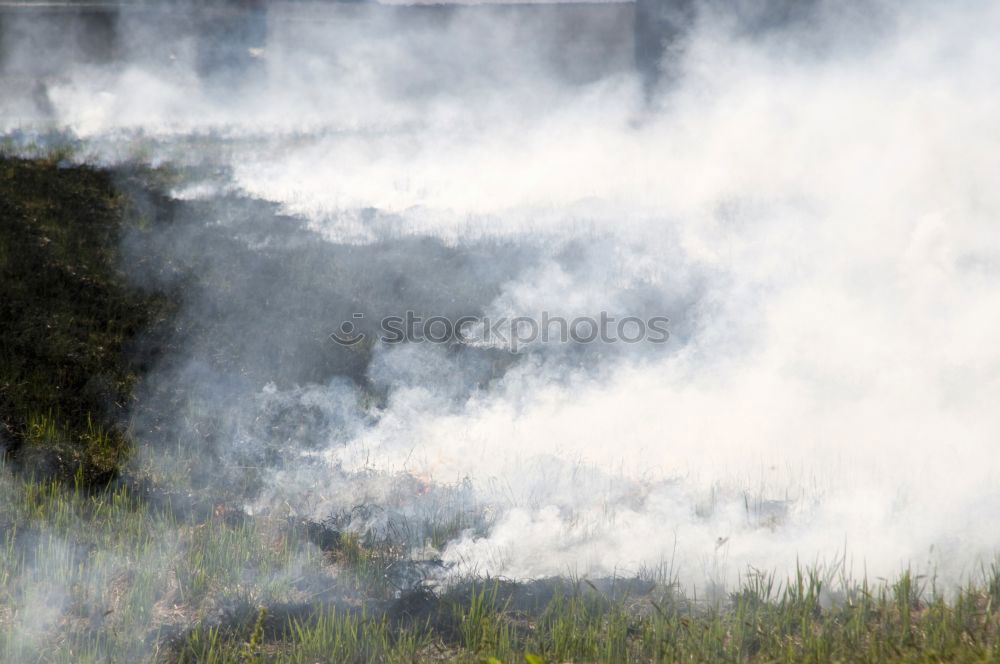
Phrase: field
x=107 y=556
x=102 y=576
x=516 y=332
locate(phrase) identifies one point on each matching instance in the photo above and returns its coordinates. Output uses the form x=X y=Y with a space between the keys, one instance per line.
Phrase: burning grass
x=157 y=567
x=91 y=576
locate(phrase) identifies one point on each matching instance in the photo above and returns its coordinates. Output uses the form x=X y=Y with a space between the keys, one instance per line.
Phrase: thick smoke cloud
x=809 y=198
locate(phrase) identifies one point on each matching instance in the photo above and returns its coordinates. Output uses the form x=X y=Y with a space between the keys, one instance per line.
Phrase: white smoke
x=814 y=209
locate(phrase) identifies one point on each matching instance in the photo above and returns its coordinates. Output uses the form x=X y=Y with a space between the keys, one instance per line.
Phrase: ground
x=102 y=560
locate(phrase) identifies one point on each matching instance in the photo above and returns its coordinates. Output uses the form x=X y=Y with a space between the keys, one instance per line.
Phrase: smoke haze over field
x=813 y=203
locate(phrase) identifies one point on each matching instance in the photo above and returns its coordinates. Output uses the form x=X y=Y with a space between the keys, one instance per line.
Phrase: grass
x=108 y=574
x=890 y=623
x=103 y=576
x=66 y=319
x=138 y=570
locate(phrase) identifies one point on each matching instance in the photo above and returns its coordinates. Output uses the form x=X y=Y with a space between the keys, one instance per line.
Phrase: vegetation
x=106 y=577
x=94 y=570
x=66 y=319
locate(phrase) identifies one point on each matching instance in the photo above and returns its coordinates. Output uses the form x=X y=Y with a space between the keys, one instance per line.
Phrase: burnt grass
x=68 y=321
x=421 y=609
x=106 y=277
x=76 y=339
